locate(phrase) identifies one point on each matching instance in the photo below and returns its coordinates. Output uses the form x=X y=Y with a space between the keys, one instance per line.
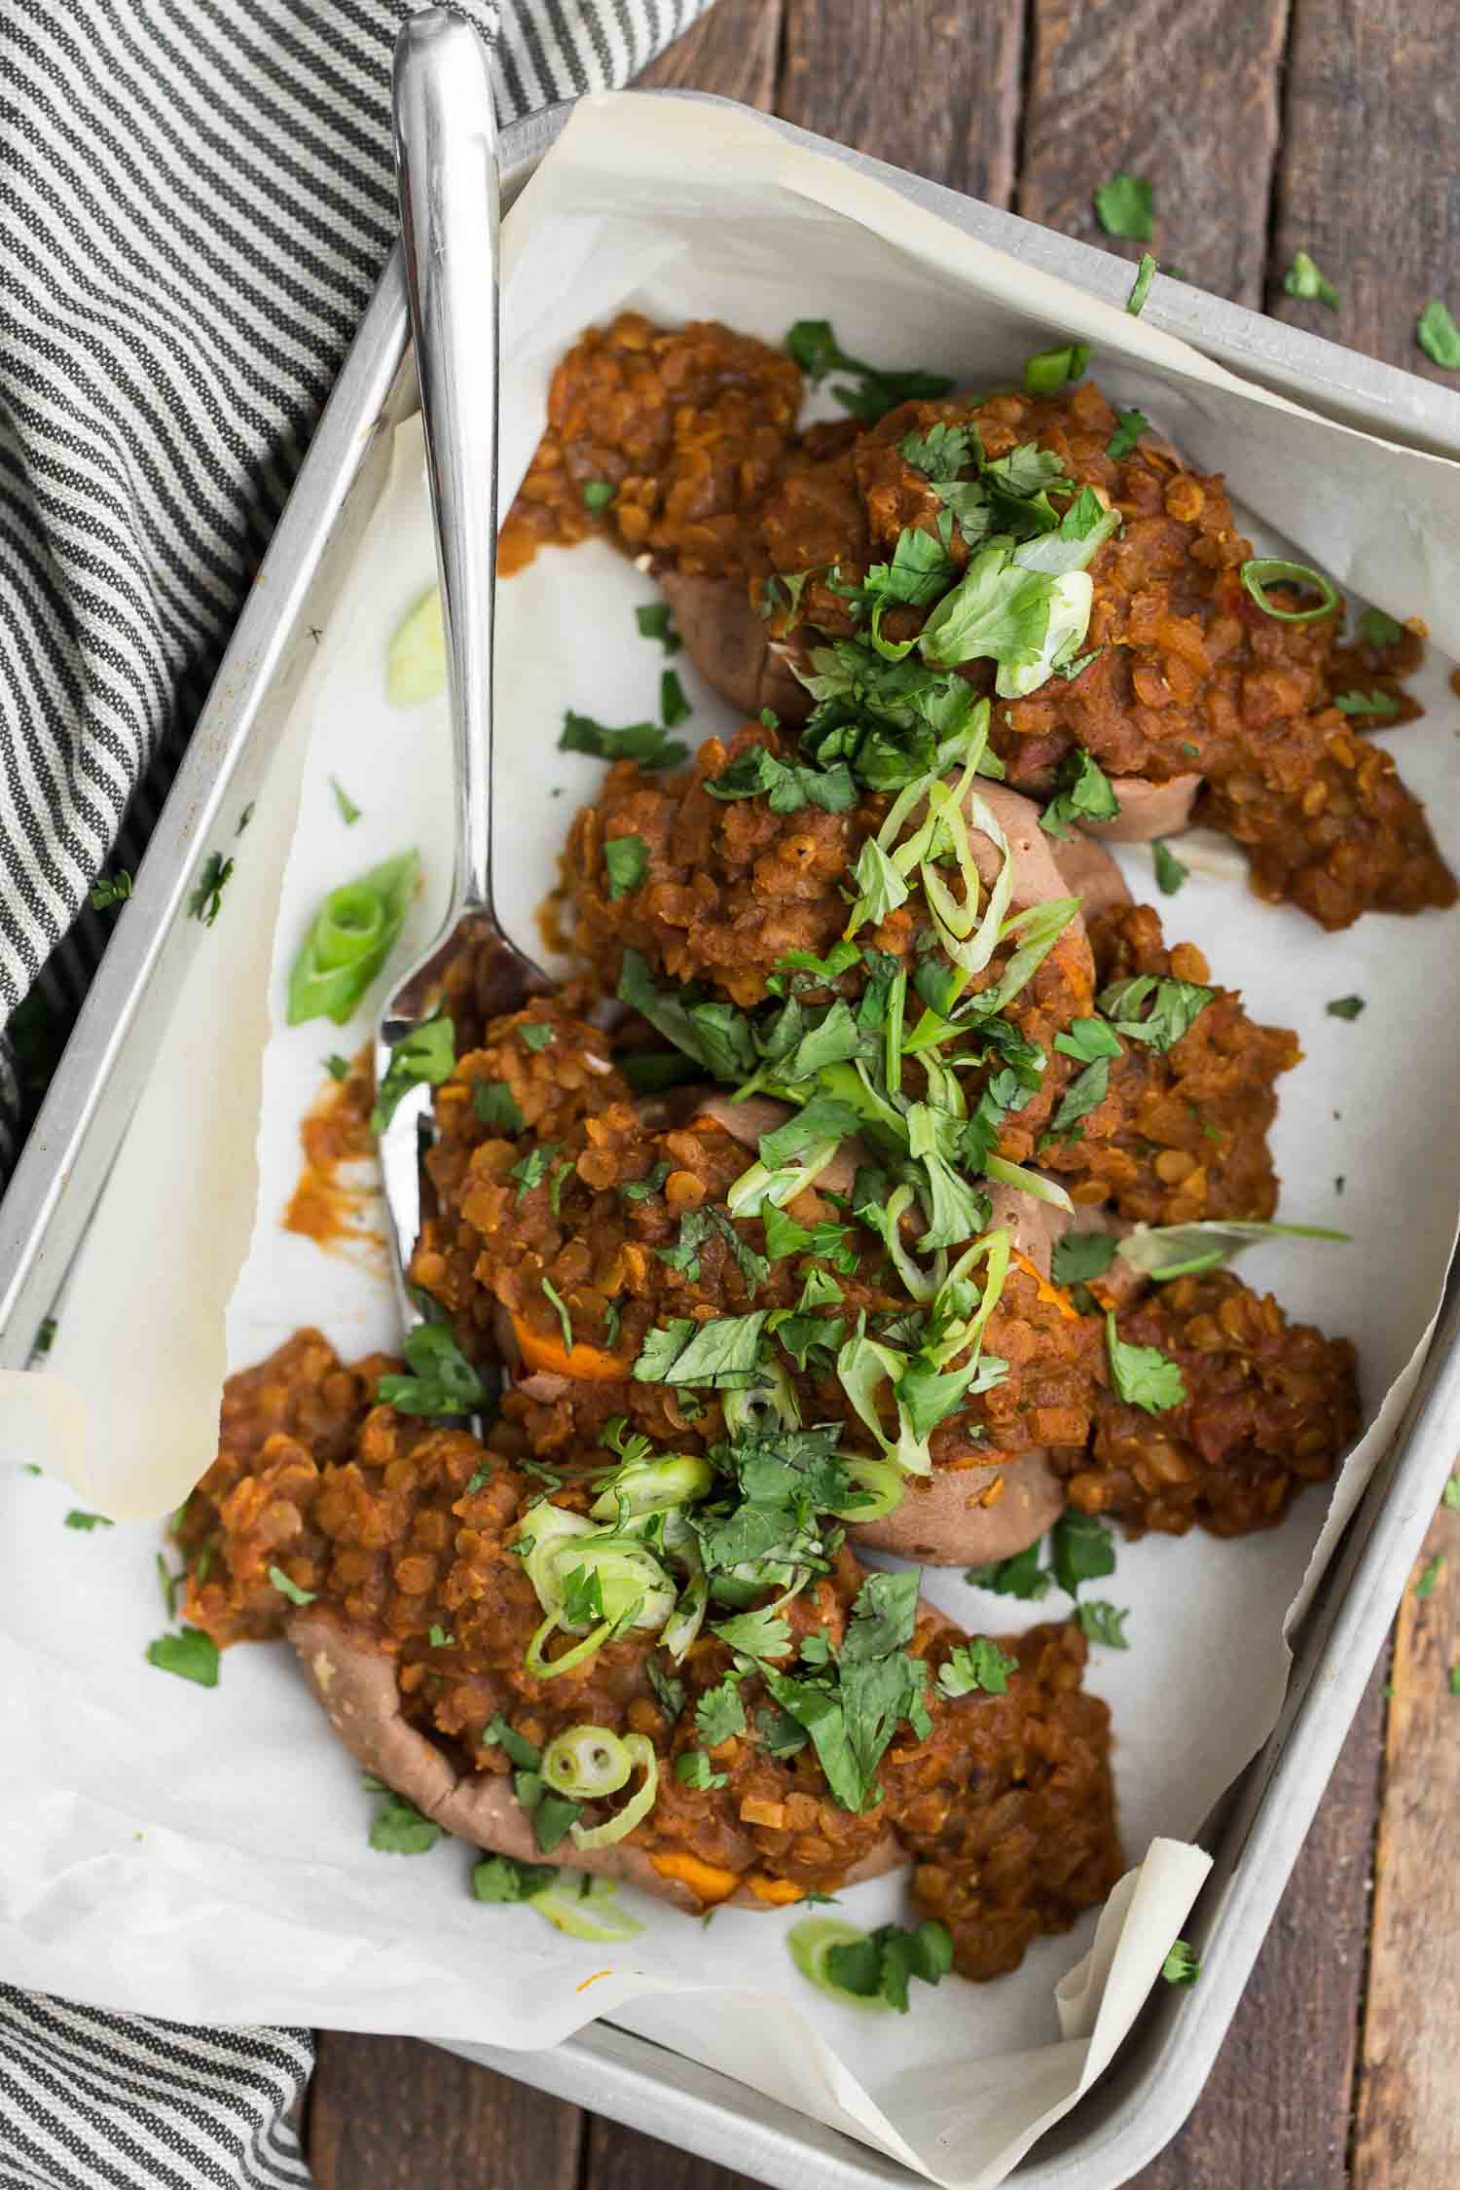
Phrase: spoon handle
x=446 y=160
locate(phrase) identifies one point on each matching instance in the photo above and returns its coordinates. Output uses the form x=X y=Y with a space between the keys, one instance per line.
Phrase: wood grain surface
x=1265 y=126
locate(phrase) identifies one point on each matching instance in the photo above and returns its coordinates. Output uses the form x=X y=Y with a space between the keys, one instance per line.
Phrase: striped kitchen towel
x=195 y=200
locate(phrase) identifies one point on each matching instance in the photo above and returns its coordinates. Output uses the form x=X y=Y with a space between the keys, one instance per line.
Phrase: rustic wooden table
x=1266 y=126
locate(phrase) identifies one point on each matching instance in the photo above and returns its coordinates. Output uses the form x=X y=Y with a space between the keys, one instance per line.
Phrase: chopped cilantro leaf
x=1174 y=1008
x=1082 y=793
x=626 y=863
x=1170 y=873
x=1129 y=426
x=78 y=1519
x=1430 y=1575
x=205 y=900
x=349 y=811
x=289 y=1588
x=674 y=708
x=110 y=890
x=1143 y=1376
x=720 y=1714
x=1080 y=1256
x=1344 y=1007
x=560 y=1310
x=873 y=390
x=424 y=1056
x=337 y=1067
x=976 y=1664
x=536 y=1036
x=399 y=1828
x=786 y=785
x=497 y=1108
x=694 y=1768
x=1382 y=705
x=655 y=622
x=1087 y=1039
x=644 y=742
x=598 y=493
x=1378 y=629
x=442 y=1380
x=880 y=1966
x=1102 y=1622
x=191 y=1654
x=1182 y=1965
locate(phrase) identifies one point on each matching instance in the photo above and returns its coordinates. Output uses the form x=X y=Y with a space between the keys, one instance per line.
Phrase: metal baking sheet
x=1119 y=2126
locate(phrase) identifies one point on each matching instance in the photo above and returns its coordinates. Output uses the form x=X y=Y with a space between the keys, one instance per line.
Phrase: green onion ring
x=547 y=1669
x=349 y=925
x=641 y=1751
x=586 y=1762
x=882 y=1482
x=1261 y=571
x=811 y=1941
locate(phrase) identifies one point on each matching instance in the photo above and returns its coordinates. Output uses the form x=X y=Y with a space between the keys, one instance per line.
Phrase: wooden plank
x=731 y=51
x=1187 y=98
x=392 y=2114
x=1275 y=2113
x=1408 y=2125
x=1365 y=186
x=622 y=2159
x=928 y=84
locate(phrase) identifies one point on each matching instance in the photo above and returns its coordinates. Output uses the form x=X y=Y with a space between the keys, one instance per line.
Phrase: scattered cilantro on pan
x=669 y=1690
x=538 y=1035
x=1125 y=206
x=1086 y=1092
x=1382 y=705
x=1020 y=1576
x=501 y=1879
x=674 y=708
x=1080 y=1256
x=1170 y=873
x=1087 y=1039
x=720 y=1354
x=1081 y=1549
x=78 y=1519
x=1182 y=1965
x=497 y=1107
x=786 y=785
x=655 y=622
x=626 y=863
x=349 y=811
x=1344 y=1007
x=976 y=1664
x=518 y=1750
x=1143 y=1376
x=442 y=1380
x=1129 y=426
x=399 y=1828
x=872 y=390
x=851 y=1701
x=290 y=1588
x=191 y=1654
x=1155 y=1010
x=531 y=1170
x=652 y=1181
x=1438 y=336
x=112 y=889
x=645 y=742
x=1306 y=280
x=694 y=1768
x=1140 y=288
x=597 y=494
x=205 y=900
x=720 y=1714
x=553 y=1815
x=1082 y=793
x=881 y=1966
x=1102 y=1622
x=1378 y=629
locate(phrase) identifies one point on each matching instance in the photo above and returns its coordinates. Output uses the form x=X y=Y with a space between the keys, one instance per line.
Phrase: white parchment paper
x=204 y=1855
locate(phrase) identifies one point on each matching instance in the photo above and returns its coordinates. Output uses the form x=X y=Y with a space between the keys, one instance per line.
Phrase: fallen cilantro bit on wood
x=1344 y=1007
x=1125 y=206
x=1438 y=336
x=191 y=1654
x=1143 y=1376
x=206 y=899
x=1140 y=288
x=1182 y=1965
x=77 y=1519
x=1429 y=1576
x=1305 y=279
x=398 y=1827
x=1170 y=873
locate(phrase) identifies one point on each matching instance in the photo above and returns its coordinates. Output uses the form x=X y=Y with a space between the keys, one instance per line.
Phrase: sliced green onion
x=640 y=1750
x=921 y=1284
x=586 y=1762
x=863 y=1365
x=686 y=1620
x=547 y=1669
x=1167 y=1251
x=811 y=1941
x=349 y=940
x=759 y=1185
x=1033 y=1183
x=772 y=1394
x=415 y=661
x=879 y=1481
x=1261 y=571
x=642 y=1487
x=590 y=1911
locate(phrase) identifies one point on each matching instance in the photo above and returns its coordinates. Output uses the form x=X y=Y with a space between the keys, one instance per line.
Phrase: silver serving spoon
x=446 y=166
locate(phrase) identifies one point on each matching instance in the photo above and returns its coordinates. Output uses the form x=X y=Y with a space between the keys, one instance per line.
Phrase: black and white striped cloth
x=195 y=200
